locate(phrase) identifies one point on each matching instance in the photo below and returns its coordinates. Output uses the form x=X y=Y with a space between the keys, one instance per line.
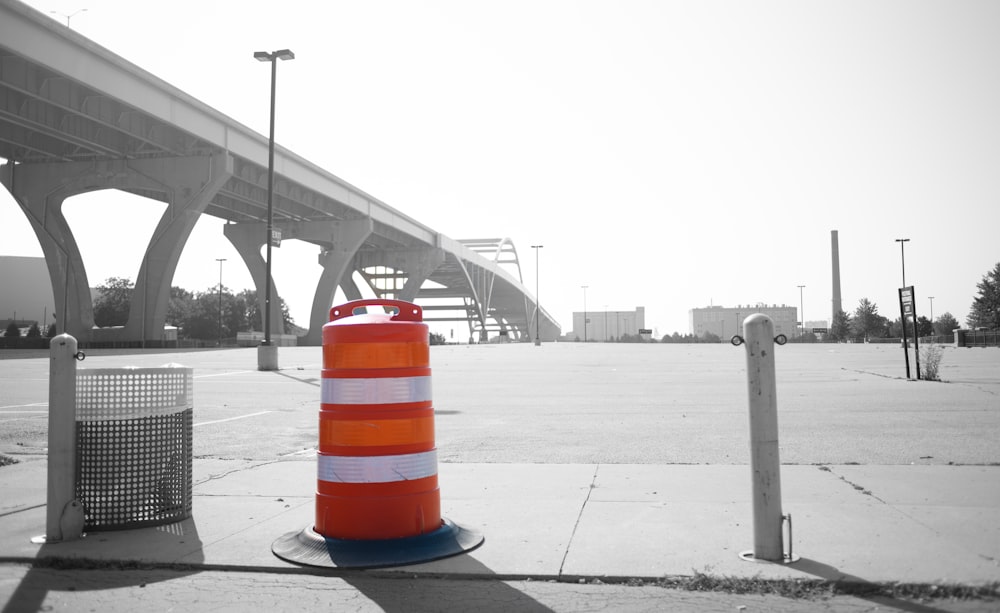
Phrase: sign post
x=908 y=309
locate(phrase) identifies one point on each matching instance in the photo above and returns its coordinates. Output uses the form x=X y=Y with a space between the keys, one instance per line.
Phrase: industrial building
x=605 y=326
x=25 y=292
x=724 y=322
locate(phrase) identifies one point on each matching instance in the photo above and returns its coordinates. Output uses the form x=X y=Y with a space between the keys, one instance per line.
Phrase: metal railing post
x=64 y=514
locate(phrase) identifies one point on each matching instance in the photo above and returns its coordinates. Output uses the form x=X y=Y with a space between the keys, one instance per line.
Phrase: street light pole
x=902 y=256
x=267 y=358
x=584 y=312
x=802 y=314
x=538 y=301
x=931 y=298
x=220 y=261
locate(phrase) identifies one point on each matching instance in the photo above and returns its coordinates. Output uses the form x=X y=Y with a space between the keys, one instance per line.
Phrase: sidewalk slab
x=922 y=524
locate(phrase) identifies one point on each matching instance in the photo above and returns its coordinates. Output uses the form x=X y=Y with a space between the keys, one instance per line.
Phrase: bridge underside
x=449 y=287
x=75 y=118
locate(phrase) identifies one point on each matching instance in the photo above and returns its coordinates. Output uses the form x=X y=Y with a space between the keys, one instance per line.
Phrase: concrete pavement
x=573 y=535
x=568 y=523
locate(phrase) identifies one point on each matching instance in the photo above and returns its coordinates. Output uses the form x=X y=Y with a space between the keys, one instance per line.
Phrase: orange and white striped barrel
x=377 y=460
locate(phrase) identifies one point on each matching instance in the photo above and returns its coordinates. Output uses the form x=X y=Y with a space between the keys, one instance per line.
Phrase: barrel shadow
x=477 y=588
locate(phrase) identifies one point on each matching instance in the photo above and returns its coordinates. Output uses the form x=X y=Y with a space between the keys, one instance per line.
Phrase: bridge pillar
x=419 y=266
x=189 y=184
x=40 y=190
x=340 y=241
x=186 y=184
x=345 y=238
x=248 y=238
x=415 y=264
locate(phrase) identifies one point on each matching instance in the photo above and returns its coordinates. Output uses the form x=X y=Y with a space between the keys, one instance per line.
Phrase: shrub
x=930 y=358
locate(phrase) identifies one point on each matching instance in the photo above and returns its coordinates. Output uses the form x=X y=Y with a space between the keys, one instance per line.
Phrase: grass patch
x=6 y=460
x=811 y=589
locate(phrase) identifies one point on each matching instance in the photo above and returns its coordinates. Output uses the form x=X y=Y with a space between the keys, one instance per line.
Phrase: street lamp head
x=282 y=54
x=902 y=240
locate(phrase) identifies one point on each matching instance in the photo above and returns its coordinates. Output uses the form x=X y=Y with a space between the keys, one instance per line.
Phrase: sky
x=669 y=155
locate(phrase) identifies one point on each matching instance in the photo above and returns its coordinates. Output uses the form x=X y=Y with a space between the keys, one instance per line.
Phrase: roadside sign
x=820 y=330
x=908 y=312
x=906 y=300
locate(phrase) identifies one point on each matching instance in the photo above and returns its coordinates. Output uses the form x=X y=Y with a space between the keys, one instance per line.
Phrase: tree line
x=213 y=314
x=866 y=322
x=217 y=313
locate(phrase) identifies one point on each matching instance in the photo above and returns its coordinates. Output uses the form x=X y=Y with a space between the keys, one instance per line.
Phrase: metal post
x=270 y=210
x=758 y=333
x=64 y=514
x=902 y=256
x=584 y=287
x=538 y=300
x=916 y=334
x=220 y=261
x=267 y=354
x=802 y=314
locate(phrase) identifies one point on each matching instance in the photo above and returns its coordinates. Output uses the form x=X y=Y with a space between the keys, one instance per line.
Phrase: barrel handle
x=405 y=311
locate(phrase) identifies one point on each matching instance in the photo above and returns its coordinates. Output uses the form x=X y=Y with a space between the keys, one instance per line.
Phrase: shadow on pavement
x=104 y=551
x=475 y=588
x=834 y=575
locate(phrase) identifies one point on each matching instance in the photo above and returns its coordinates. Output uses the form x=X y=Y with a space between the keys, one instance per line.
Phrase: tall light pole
x=220 y=261
x=802 y=314
x=931 y=298
x=70 y=16
x=584 y=287
x=902 y=256
x=538 y=301
x=267 y=357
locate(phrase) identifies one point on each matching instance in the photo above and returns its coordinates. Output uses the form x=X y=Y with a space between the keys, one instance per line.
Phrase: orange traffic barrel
x=377 y=497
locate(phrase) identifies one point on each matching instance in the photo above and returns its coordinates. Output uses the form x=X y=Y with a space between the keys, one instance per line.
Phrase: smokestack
x=835 y=248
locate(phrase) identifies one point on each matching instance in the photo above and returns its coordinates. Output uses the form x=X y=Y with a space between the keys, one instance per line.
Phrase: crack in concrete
x=576 y=524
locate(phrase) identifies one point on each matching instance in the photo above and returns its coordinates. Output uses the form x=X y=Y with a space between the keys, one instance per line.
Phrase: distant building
x=25 y=291
x=604 y=326
x=725 y=322
x=817 y=324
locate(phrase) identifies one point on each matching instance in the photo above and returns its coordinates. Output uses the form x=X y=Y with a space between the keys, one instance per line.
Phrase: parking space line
x=219 y=421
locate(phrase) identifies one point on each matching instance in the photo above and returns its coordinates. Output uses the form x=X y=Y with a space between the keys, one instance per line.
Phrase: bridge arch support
x=186 y=184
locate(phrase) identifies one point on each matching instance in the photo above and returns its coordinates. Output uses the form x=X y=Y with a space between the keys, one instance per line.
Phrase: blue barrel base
x=309 y=548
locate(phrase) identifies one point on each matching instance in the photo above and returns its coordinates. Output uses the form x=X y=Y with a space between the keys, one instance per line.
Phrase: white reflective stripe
x=376 y=469
x=382 y=390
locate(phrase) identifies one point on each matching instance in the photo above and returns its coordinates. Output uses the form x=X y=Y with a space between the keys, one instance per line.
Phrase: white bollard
x=758 y=335
x=64 y=514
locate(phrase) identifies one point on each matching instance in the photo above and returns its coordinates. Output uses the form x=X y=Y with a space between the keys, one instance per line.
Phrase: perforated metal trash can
x=134 y=446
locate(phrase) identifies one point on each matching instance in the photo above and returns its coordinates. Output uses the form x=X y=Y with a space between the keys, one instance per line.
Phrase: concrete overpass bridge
x=76 y=118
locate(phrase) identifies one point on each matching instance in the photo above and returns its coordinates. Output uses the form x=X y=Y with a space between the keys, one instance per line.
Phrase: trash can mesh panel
x=123 y=393
x=134 y=447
